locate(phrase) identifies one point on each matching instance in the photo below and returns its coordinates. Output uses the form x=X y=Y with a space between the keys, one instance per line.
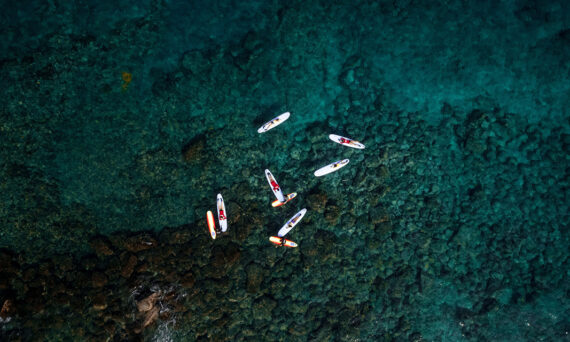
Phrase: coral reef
x=452 y=224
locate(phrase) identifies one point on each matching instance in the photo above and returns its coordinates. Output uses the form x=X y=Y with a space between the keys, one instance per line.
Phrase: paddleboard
x=291 y=223
x=222 y=215
x=282 y=242
x=211 y=224
x=289 y=197
x=274 y=186
x=346 y=141
x=325 y=170
x=274 y=122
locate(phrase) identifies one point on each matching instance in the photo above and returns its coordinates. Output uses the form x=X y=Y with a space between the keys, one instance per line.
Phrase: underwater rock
x=218 y=258
x=175 y=236
x=99 y=279
x=317 y=202
x=297 y=153
x=236 y=212
x=99 y=302
x=7 y=264
x=310 y=254
x=45 y=269
x=110 y=328
x=164 y=315
x=262 y=308
x=151 y=316
x=373 y=162
x=382 y=229
x=188 y=280
x=101 y=246
x=246 y=51
x=326 y=242
x=232 y=254
x=89 y=262
x=196 y=61
x=472 y=133
x=222 y=285
x=4 y=281
x=63 y=299
x=503 y=295
x=8 y=309
x=255 y=276
x=314 y=312
x=129 y=266
x=137 y=243
x=247 y=225
x=332 y=213
x=29 y=275
x=113 y=267
x=148 y=303
x=142 y=268
x=317 y=132
x=193 y=150
x=379 y=215
x=64 y=264
x=56 y=287
x=383 y=173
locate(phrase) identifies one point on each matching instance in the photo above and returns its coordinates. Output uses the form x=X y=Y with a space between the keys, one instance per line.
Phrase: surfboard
x=282 y=242
x=222 y=214
x=274 y=186
x=211 y=224
x=346 y=141
x=337 y=165
x=291 y=223
x=274 y=122
x=289 y=197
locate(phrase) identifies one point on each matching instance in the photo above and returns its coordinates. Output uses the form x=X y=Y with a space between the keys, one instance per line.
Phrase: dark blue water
x=120 y=123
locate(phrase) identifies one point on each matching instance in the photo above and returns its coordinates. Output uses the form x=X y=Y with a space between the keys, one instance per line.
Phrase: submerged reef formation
x=435 y=247
x=116 y=136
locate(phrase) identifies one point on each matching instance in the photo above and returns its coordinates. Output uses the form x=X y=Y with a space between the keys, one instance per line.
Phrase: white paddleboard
x=222 y=215
x=337 y=165
x=291 y=223
x=274 y=186
x=346 y=141
x=274 y=122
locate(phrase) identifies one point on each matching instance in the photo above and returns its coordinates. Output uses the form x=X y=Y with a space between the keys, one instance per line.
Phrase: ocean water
x=121 y=122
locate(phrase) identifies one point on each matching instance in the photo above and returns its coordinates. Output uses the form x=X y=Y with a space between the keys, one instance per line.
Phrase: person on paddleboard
x=222 y=215
x=274 y=185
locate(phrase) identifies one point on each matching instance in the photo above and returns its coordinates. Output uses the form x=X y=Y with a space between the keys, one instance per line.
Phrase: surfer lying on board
x=274 y=185
x=281 y=243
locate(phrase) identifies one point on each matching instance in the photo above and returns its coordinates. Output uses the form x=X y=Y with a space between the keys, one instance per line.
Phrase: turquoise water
x=120 y=123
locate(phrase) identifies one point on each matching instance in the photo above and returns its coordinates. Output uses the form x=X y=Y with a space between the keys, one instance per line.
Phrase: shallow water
x=121 y=123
